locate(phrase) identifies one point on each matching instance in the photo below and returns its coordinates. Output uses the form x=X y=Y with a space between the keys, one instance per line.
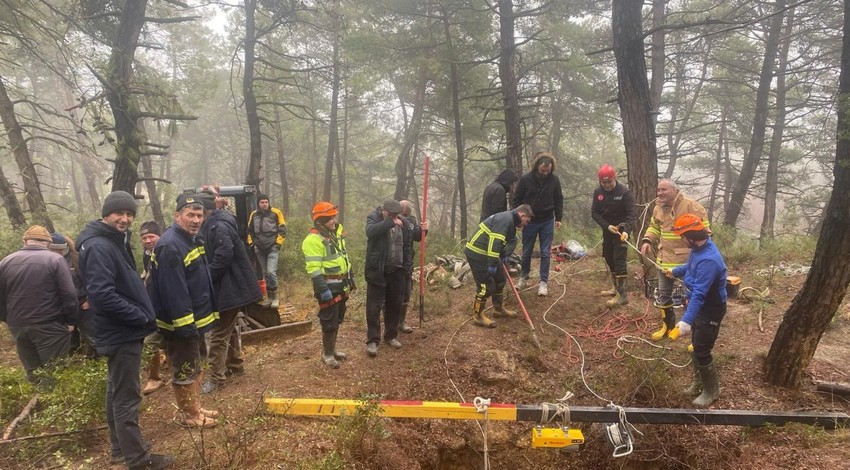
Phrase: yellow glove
x=613 y=229
x=624 y=237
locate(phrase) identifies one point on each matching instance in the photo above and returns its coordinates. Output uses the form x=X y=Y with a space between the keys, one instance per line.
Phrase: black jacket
x=614 y=207
x=495 y=198
x=543 y=194
x=377 y=245
x=234 y=281
x=412 y=233
x=495 y=239
x=123 y=311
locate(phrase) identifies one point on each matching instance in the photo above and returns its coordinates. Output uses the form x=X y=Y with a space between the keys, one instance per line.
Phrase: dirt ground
x=449 y=359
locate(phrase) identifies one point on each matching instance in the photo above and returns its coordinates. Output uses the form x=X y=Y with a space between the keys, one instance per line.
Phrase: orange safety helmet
x=324 y=209
x=687 y=223
x=606 y=172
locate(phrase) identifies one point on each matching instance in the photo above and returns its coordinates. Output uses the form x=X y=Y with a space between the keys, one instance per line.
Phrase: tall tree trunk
x=255 y=161
x=510 y=96
x=658 y=55
x=634 y=100
x=346 y=127
x=411 y=135
x=314 y=141
x=557 y=121
x=718 y=163
x=10 y=202
x=333 y=125
x=753 y=157
x=32 y=188
x=674 y=138
x=281 y=161
x=458 y=128
x=153 y=194
x=826 y=284
x=125 y=107
x=773 y=156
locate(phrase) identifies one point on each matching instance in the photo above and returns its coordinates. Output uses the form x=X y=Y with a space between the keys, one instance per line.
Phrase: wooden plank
x=280 y=332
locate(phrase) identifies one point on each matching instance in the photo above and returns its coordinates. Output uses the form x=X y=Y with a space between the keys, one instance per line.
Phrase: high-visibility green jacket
x=326 y=260
x=495 y=238
x=672 y=250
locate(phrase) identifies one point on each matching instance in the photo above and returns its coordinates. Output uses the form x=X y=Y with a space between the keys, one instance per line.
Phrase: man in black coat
x=495 y=198
x=613 y=208
x=234 y=287
x=384 y=269
x=414 y=232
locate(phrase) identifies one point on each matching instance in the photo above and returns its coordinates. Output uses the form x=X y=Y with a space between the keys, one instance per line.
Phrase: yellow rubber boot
x=478 y=314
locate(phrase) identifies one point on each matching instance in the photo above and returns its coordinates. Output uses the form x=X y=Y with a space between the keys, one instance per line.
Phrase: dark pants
x=546 y=231
x=408 y=289
x=615 y=253
x=225 y=351
x=389 y=296
x=123 y=398
x=185 y=355
x=705 y=329
x=486 y=284
x=37 y=345
x=331 y=317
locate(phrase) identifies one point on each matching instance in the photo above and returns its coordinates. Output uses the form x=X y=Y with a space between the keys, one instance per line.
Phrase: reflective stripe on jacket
x=326 y=258
x=672 y=250
x=182 y=286
x=496 y=237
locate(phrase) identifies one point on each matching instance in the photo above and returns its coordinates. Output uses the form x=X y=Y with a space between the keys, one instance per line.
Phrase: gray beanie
x=118 y=201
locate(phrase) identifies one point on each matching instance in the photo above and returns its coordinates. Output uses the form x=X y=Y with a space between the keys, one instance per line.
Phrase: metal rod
x=422 y=244
x=522 y=306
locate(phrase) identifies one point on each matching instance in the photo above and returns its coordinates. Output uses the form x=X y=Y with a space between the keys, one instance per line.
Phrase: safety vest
x=325 y=255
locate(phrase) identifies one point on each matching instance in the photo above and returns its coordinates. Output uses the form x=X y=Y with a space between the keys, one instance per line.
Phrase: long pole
x=522 y=306
x=422 y=244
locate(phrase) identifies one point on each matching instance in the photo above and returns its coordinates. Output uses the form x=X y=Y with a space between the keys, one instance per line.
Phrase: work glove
x=492 y=270
x=624 y=236
x=505 y=260
x=613 y=229
x=684 y=328
x=668 y=272
x=326 y=296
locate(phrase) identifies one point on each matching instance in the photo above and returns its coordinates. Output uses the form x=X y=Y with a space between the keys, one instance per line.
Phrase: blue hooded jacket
x=705 y=279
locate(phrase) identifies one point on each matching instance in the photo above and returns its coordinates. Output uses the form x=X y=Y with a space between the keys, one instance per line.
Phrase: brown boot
x=189 y=403
x=197 y=385
x=499 y=309
x=155 y=381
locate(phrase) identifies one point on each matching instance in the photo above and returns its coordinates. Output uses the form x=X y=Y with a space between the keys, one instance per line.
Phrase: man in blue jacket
x=123 y=316
x=234 y=287
x=185 y=308
x=705 y=280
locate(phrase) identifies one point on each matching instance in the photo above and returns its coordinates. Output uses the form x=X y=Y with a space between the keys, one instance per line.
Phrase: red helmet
x=687 y=223
x=324 y=209
x=606 y=172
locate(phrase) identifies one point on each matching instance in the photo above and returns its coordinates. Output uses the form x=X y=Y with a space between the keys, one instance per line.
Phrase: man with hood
x=123 y=316
x=540 y=188
x=266 y=234
x=185 y=308
x=234 y=287
x=495 y=198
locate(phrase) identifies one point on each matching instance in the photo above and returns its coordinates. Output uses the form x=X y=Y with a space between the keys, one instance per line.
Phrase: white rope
x=786 y=269
x=624 y=340
x=482 y=405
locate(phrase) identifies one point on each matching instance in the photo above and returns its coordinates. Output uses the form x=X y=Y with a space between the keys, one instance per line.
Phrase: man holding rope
x=613 y=208
x=671 y=250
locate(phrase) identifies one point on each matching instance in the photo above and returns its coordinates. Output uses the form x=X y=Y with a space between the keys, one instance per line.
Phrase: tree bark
x=10 y=202
x=281 y=161
x=826 y=285
x=32 y=188
x=753 y=157
x=718 y=163
x=255 y=160
x=773 y=156
x=411 y=135
x=658 y=56
x=634 y=100
x=129 y=138
x=510 y=96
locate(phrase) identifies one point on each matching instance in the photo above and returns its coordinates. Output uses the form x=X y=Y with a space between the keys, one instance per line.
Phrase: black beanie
x=262 y=197
x=150 y=227
x=118 y=201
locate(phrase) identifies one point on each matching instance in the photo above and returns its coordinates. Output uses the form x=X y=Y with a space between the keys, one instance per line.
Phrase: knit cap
x=118 y=201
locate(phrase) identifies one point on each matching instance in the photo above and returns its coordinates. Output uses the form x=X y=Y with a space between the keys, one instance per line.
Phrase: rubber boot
x=274 y=302
x=338 y=355
x=198 y=384
x=328 y=340
x=613 y=290
x=478 y=314
x=711 y=387
x=499 y=309
x=155 y=381
x=189 y=403
x=696 y=386
x=621 y=297
x=267 y=300
x=668 y=323
x=402 y=326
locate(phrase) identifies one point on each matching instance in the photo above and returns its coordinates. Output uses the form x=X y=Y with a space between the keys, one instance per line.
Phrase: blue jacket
x=181 y=285
x=234 y=282
x=705 y=278
x=123 y=311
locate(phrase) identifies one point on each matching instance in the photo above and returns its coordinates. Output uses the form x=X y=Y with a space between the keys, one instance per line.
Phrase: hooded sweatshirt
x=123 y=311
x=495 y=199
x=542 y=193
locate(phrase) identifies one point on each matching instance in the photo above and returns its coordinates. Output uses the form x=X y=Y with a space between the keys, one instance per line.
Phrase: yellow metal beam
x=390 y=409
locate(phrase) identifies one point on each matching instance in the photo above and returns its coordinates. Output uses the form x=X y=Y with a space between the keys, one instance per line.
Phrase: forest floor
x=450 y=359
